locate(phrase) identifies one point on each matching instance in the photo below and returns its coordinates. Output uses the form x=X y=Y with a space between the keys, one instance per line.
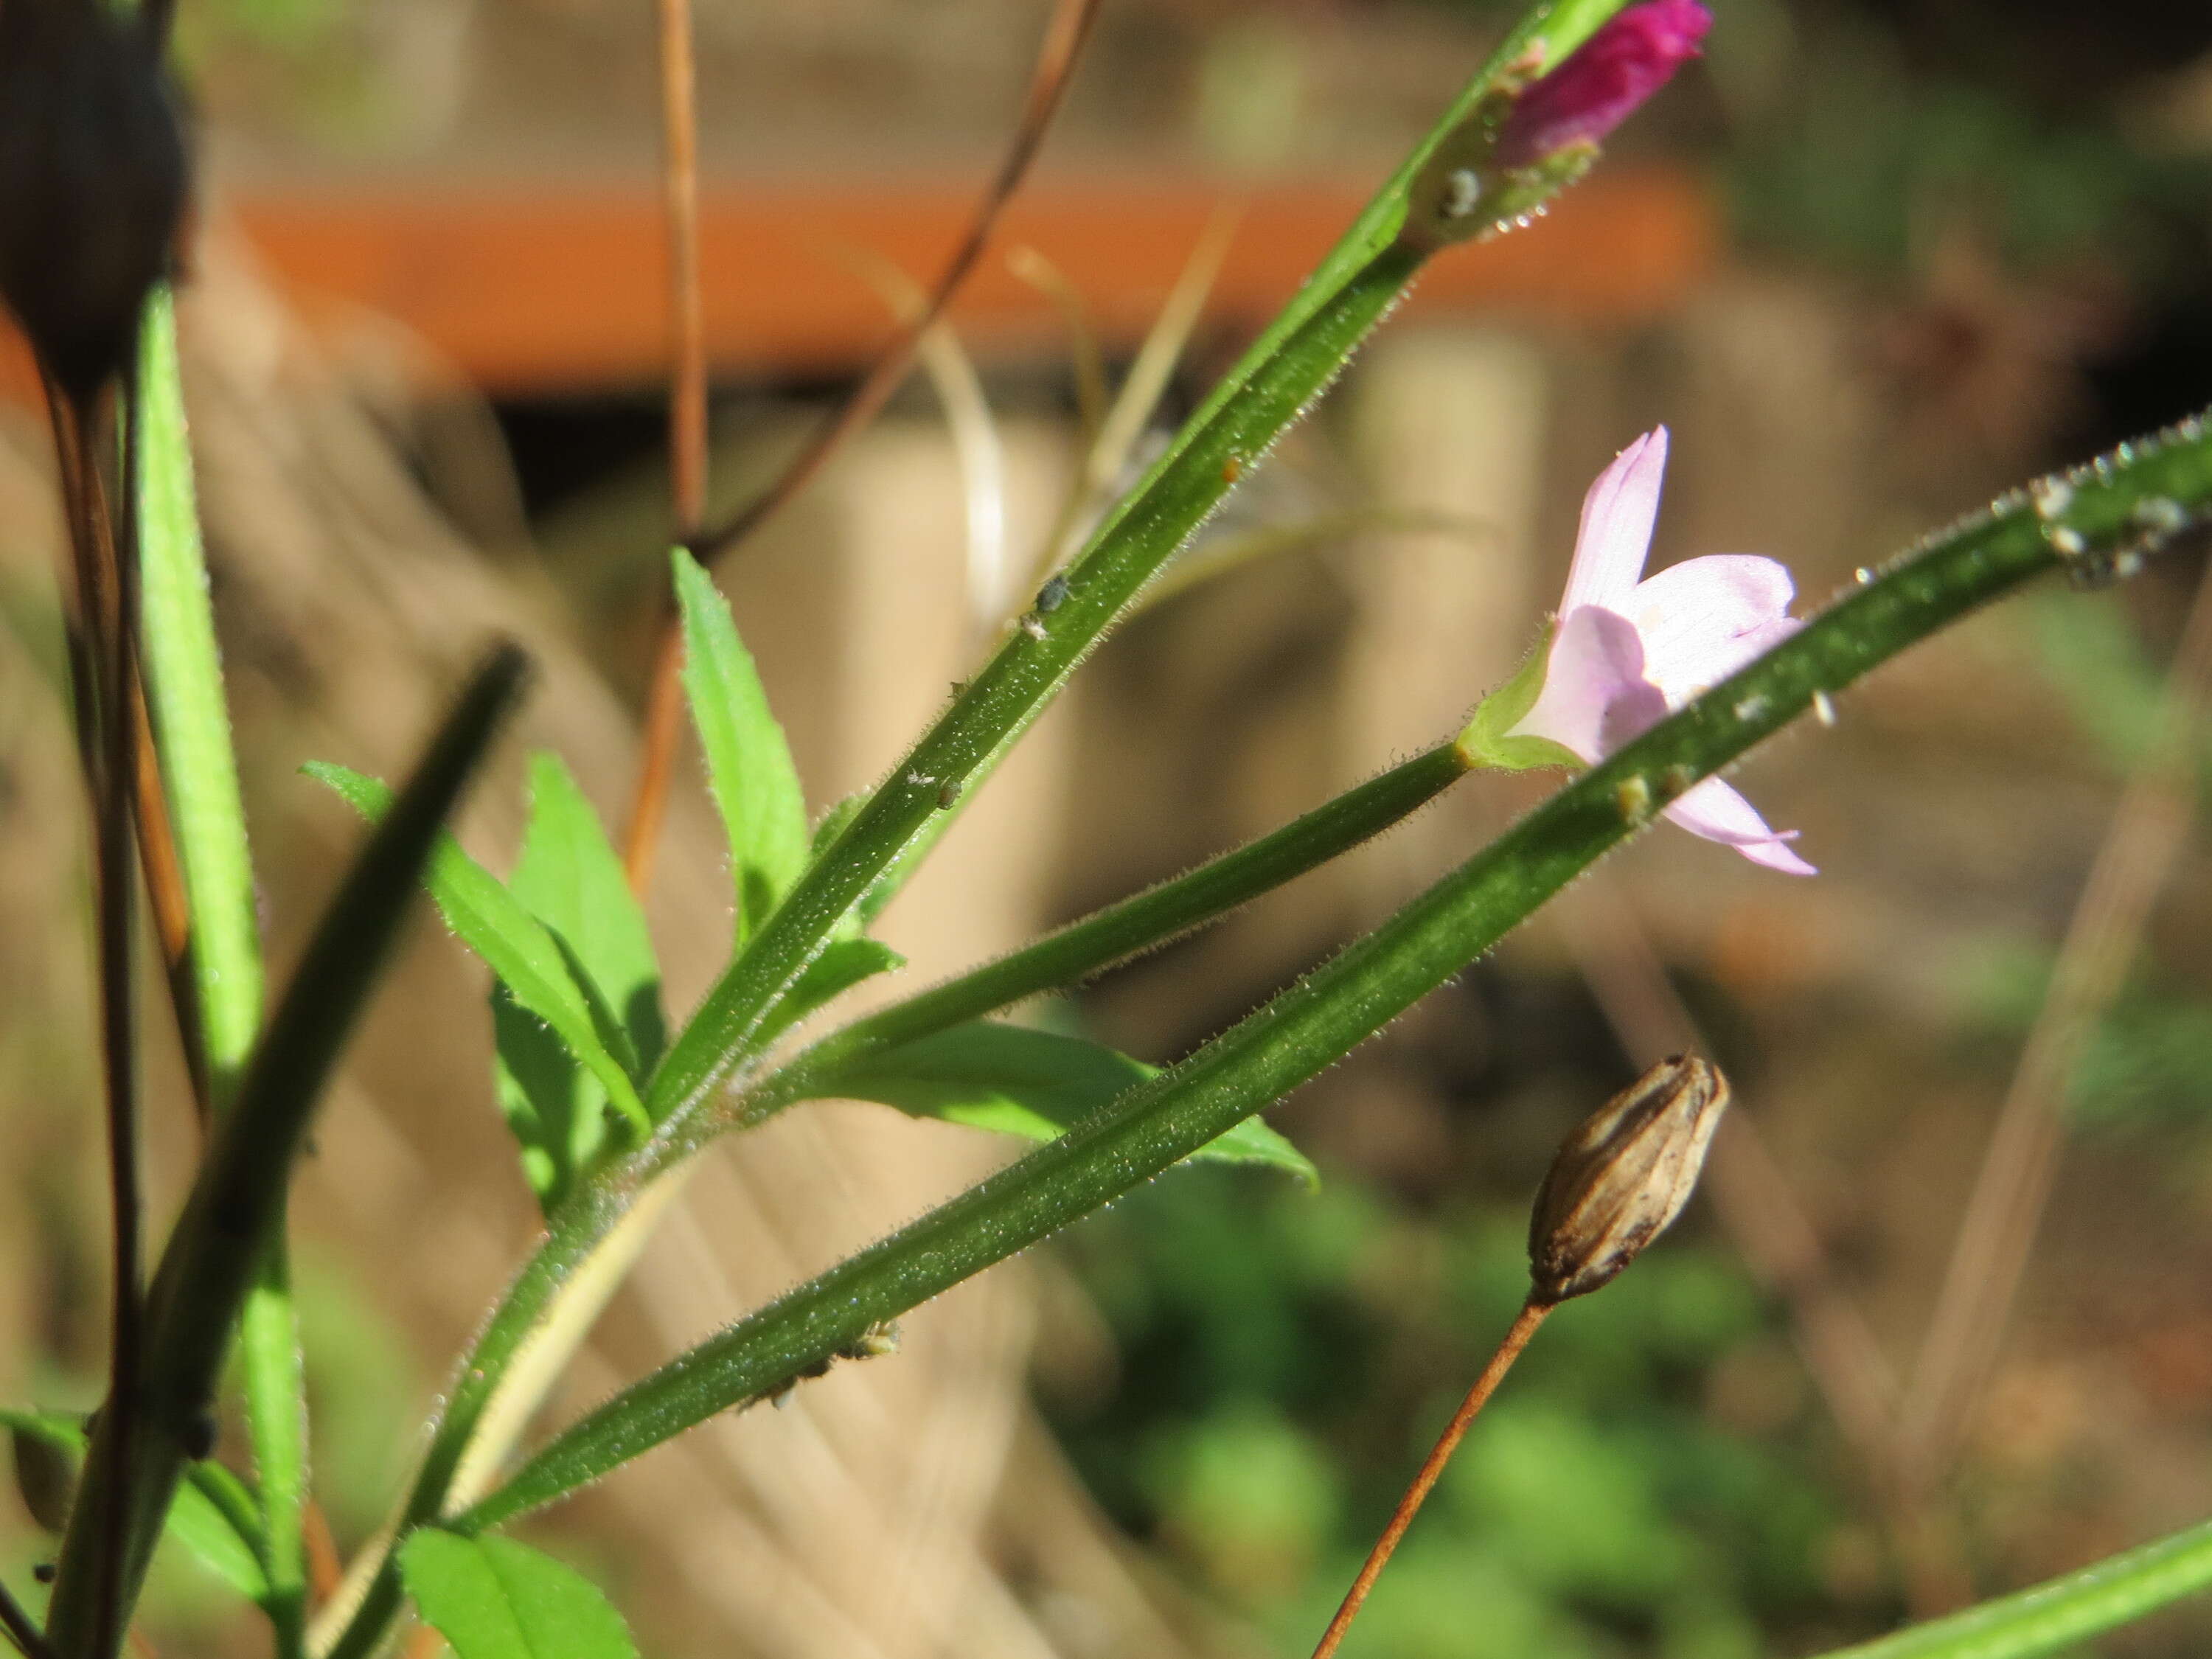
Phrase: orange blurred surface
x=526 y=290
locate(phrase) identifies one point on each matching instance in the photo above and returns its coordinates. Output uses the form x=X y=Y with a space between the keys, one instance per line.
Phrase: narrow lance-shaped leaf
x=1032 y=1084
x=192 y=723
x=749 y=764
x=492 y=1598
x=527 y=959
x=231 y=1212
x=1325 y=1015
x=191 y=730
x=569 y=879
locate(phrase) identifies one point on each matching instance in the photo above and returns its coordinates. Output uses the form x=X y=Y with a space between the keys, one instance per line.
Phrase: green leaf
x=2057 y=1614
x=569 y=878
x=1485 y=742
x=1035 y=1084
x=213 y=1516
x=843 y=964
x=191 y=722
x=199 y=774
x=749 y=764
x=527 y=959
x=232 y=1215
x=492 y=1598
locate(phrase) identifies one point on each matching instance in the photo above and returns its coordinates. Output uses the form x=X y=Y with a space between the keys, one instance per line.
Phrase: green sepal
x=1485 y=741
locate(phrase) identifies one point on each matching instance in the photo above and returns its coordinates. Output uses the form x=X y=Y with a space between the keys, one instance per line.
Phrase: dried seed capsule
x=92 y=181
x=1623 y=1176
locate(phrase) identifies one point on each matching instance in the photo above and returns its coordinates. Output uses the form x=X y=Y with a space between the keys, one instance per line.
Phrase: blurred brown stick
x=1749 y=1192
x=2005 y=1209
x=1772 y=1234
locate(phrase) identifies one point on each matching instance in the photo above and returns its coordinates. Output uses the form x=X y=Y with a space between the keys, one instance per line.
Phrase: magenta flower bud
x=1604 y=82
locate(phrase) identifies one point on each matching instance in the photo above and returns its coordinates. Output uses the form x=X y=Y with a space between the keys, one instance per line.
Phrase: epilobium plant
x=611 y=1094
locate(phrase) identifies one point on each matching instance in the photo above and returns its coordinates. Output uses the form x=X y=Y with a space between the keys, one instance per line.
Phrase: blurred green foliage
x=1286 y=1360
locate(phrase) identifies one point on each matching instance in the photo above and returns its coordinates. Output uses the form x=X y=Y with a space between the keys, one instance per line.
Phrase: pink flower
x=1630 y=649
x=1630 y=58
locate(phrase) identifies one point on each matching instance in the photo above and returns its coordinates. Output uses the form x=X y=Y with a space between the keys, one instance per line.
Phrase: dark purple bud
x=92 y=181
x=1602 y=84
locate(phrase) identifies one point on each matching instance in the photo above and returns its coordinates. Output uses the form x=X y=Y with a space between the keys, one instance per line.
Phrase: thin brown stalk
x=326 y=1569
x=107 y=594
x=2012 y=1186
x=119 y=1011
x=687 y=415
x=687 y=387
x=171 y=909
x=1065 y=33
x=85 y=629
x=1751 y=1196
x=1516 y=1338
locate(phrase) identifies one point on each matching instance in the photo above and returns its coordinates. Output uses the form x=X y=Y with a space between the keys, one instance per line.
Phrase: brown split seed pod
x=1623 y=1176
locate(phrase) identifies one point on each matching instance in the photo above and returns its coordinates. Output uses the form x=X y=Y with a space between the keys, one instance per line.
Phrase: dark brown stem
x=104 y=557
x=25 y=1634
x=89 y=632
x=1524 y=1326
x=118 y=896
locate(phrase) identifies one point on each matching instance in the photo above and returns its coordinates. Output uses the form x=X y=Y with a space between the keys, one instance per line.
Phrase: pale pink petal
x=1692 y=673
x=1615 y=536
x=1596 y=665
x=1689 y=614
x=1717 y=812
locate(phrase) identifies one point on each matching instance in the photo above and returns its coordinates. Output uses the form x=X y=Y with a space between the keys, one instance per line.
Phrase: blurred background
x=1872 y=261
